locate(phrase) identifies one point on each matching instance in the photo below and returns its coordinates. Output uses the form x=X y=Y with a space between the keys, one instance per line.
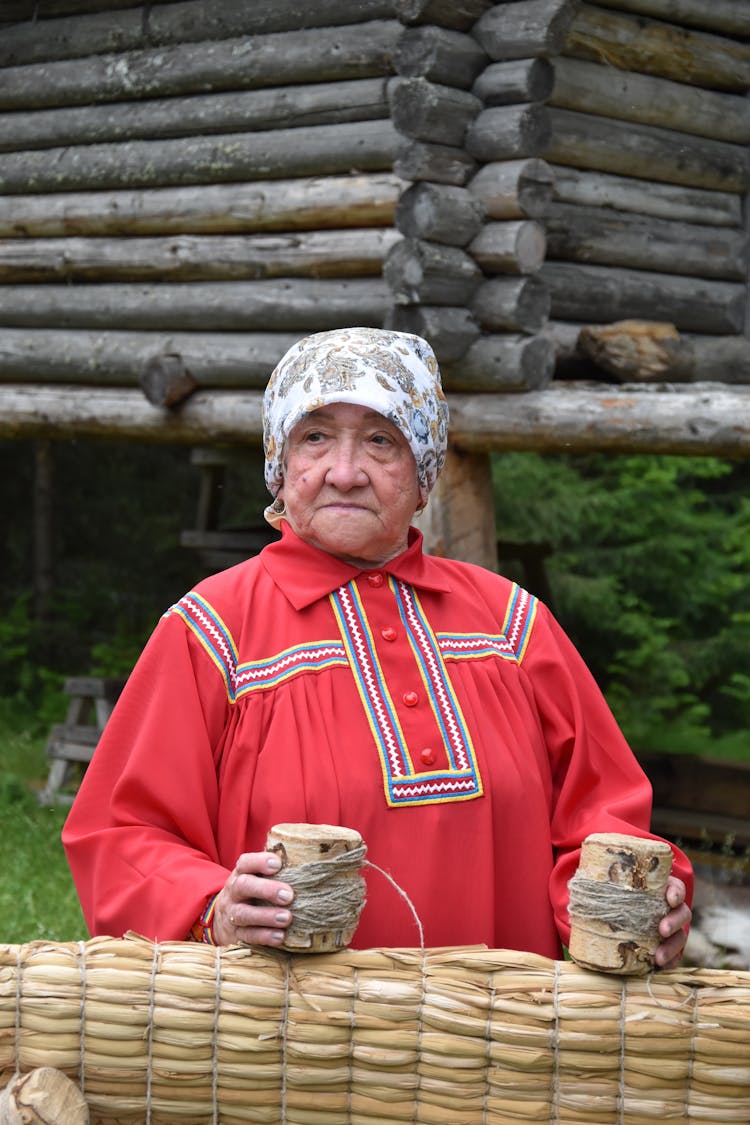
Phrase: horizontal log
x=705 y=419
x=450 y=58
x=439 y=213
x=324 y=103
x=603 y=144
x=524 y=29
x=643 y=197
x=520 y=80
x=286 y=304
x=603 y=236
x=322 y=149
x=449 y=330
x=107 y=32
x=14 y=11
x=320 y=202
x=590 y=87
x=598 y=294
x=641 y=351
x=292 y=57
x=428 y=112
x=429 y=273
x=509 y=132
x=101 y=359
x=512 y=304
x=696 y=420
x=440 y=164
x=460 y=14
x=729 y=16
x=513 y=189
x=510 y=247
x=324 y=253
x=653 y=47
x=502 y=363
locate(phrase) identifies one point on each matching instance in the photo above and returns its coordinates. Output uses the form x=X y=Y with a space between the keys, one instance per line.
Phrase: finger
x=256 y=888
x=675 y=920
x=676 y=891
x=669 y=953
x=257 y=925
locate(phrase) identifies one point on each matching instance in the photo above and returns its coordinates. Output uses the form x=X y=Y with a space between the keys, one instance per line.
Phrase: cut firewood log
x=44 y=1096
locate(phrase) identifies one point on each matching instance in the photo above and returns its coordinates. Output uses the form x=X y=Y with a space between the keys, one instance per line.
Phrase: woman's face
x=350 y=484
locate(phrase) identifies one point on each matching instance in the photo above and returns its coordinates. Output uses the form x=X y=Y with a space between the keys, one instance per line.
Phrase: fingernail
x=282 y=918
x=277 y=936
x=273 y=864
x=284 y=895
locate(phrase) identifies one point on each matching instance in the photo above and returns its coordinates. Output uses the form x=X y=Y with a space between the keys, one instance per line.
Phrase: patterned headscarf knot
x=393 y=373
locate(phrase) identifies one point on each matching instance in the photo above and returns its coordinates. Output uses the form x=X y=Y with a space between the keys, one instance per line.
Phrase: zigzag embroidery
x=402 y=785
x=511 y=644
x=255 y=675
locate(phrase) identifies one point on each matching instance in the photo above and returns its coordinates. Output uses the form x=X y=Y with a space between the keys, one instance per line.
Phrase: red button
x=375 y=579
x=389 y=633
x=410 y=698
x=428 y=756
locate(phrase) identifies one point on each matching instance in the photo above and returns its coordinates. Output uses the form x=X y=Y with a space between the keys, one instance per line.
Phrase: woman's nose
x=345 y=469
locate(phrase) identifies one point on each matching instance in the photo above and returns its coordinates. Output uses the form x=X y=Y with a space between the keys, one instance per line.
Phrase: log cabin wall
x=187 y=188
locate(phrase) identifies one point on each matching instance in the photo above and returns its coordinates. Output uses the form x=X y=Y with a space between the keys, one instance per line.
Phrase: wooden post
x=459 y=520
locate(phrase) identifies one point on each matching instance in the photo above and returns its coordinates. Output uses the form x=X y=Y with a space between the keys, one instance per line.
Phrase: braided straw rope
x=183 y=1032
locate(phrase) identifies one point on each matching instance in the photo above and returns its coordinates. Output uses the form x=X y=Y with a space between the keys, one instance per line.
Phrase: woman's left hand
x=673 y=926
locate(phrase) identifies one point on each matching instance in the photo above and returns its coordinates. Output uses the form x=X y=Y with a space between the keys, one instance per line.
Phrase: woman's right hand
x=251 y=907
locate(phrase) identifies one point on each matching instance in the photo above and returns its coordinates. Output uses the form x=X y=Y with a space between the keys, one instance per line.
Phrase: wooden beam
x=590 y=87
x=198 y=257
x=604 y=236
x=451 y=58
x=273 y=305
x=439 y=213
x=430 y=273
x=459 y=520
x=696 y=420
x=363 y=50
x=428 y=112
x=238 y=111
x=513 y=189
x=118 y=359
x=368 y=146
x=601 y=294
x=603 y=144
x=105 y=32
x=643 y=197
x=304 y=203
x=700 y=419
x=523 y=30
x=729 y=16
x=653 y=47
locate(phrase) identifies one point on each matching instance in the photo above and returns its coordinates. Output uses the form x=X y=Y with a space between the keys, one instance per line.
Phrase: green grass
x=37 y=897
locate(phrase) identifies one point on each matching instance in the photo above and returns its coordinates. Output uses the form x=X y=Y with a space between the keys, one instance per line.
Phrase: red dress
x=432 y=705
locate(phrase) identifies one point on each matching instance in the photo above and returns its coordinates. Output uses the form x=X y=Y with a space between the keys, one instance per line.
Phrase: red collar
x=304 y=573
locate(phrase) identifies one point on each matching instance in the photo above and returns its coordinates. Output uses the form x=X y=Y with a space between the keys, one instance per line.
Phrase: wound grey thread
x=622 y=909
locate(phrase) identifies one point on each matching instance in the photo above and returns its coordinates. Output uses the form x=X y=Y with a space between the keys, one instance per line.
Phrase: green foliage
x=649 y=575
x=37 y=896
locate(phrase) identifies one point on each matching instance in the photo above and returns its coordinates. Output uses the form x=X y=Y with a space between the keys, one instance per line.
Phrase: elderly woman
x=344 y=677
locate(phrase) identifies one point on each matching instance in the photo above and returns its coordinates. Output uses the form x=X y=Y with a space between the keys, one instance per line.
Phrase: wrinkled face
x=350 y=484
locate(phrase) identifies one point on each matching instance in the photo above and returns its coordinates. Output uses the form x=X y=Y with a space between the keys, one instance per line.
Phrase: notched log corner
x=166 y=381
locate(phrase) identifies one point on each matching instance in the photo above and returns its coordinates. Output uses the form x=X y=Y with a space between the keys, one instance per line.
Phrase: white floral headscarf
x=394 y=373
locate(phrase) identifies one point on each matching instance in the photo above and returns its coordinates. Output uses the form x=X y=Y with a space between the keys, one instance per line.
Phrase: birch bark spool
x=617 y=899
x=324 y=916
